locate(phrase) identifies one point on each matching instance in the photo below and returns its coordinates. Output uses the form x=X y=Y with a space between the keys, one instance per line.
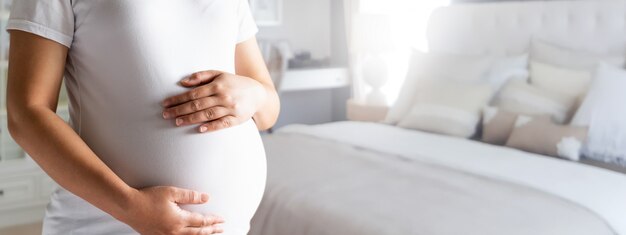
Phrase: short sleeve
x=247 y=26
x=51 y=19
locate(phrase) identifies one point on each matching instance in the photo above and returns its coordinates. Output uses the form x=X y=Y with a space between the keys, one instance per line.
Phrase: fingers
x=222 y=123
x=191 y=107
x=199 y=220
x=185 y=196
x=203 y=116
x=194 y=94
x=202 y=231
x=201 y=78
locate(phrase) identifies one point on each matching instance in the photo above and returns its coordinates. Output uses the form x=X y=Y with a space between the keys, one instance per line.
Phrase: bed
x=369 y=178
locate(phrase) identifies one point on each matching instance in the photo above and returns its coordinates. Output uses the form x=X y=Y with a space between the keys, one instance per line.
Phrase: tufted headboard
x=508 y=27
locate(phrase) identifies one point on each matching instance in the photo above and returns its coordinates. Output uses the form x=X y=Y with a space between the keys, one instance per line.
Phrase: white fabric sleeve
x=247 y=26
x=51 y=19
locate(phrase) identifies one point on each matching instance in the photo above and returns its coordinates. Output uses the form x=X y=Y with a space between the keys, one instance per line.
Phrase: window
x=402 y=25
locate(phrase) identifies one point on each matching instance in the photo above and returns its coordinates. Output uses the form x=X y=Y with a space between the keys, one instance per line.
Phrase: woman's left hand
x=217 y=101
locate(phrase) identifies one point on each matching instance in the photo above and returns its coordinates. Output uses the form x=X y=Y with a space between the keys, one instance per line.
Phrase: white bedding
x=600 y=193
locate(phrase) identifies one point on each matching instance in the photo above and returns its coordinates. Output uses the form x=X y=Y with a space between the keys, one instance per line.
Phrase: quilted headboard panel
x=508 y=27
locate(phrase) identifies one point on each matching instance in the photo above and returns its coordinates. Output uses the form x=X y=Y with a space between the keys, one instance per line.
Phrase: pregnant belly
x=229 y=164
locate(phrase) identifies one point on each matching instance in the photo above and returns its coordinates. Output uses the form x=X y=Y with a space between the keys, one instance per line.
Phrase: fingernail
x=204 y=197
x=186 y=80
x=203 y=129
x=166 y=115
x=164 y=103
x=179 y=121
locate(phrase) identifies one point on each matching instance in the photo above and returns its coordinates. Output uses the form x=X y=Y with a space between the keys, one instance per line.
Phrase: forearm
x=64 y=156
x=249 y=63
x=267 y=115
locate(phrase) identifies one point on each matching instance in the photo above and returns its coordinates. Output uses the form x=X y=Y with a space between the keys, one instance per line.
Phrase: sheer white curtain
x=381 y=34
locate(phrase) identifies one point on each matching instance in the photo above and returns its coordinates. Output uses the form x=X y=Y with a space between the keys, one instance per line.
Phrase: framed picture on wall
x=267 y=12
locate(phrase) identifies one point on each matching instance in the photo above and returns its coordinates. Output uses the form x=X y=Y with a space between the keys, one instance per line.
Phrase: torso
x=126 y=57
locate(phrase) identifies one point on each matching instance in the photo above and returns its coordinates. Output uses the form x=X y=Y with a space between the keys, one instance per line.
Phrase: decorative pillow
x=541 y=136
x=505 y=69
x=604 y=111
x=466 y=68
x=545 y=52
x=425 y=66
x=520 y=97
x=497 y=125
x=447 y=107
x=561 y=80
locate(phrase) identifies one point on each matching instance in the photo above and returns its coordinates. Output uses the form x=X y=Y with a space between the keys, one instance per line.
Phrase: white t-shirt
x=125 y=56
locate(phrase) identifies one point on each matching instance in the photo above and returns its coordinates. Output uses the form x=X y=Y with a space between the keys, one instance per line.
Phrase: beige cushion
x=477 y=69
x=541 y=136
x=497 y=125
x=523 y=98
x=447 y=107
x=570 y=82
x=425 y=66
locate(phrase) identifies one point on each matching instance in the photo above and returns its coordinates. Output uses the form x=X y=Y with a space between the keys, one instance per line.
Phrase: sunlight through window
x=408 y=20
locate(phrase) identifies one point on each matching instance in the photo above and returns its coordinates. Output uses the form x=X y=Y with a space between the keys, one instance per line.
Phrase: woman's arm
x=35 y=74
x=249 y=62
x=220 y=100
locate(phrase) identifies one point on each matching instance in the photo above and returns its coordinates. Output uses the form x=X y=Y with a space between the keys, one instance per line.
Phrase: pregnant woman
x=166 y=99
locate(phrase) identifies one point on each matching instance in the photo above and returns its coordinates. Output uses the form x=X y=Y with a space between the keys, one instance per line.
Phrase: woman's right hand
x=155 y=210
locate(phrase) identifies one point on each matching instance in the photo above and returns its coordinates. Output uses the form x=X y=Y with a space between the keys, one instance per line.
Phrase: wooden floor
x=28 y=229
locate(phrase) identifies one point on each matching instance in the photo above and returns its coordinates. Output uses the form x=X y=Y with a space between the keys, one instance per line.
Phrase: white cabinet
x=16 y=190
x=24 y=192
x=314 y=79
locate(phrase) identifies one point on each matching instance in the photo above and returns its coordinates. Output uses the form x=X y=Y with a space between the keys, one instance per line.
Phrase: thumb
x=185 y=196
x=200 y=78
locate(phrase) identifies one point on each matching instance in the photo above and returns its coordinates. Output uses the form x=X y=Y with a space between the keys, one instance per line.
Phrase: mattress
x=365 y=178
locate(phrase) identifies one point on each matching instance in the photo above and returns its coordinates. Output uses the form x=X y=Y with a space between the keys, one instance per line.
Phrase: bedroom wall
x=305 y=25
x=315 y=26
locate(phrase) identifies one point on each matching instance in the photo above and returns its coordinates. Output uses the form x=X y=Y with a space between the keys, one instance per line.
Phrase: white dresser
x=314 y=79
x=24 y=192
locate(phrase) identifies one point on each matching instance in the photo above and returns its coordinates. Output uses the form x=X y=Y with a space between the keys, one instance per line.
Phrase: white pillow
x=545 y=52
x=505 y=69
x=447 y=107
x=407 y=93
x=560 y=80
x=466 y=68
x=520 y=97
x=604 y=112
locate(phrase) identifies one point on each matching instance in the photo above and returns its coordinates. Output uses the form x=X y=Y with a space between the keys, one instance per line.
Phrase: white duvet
x=600 y=191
